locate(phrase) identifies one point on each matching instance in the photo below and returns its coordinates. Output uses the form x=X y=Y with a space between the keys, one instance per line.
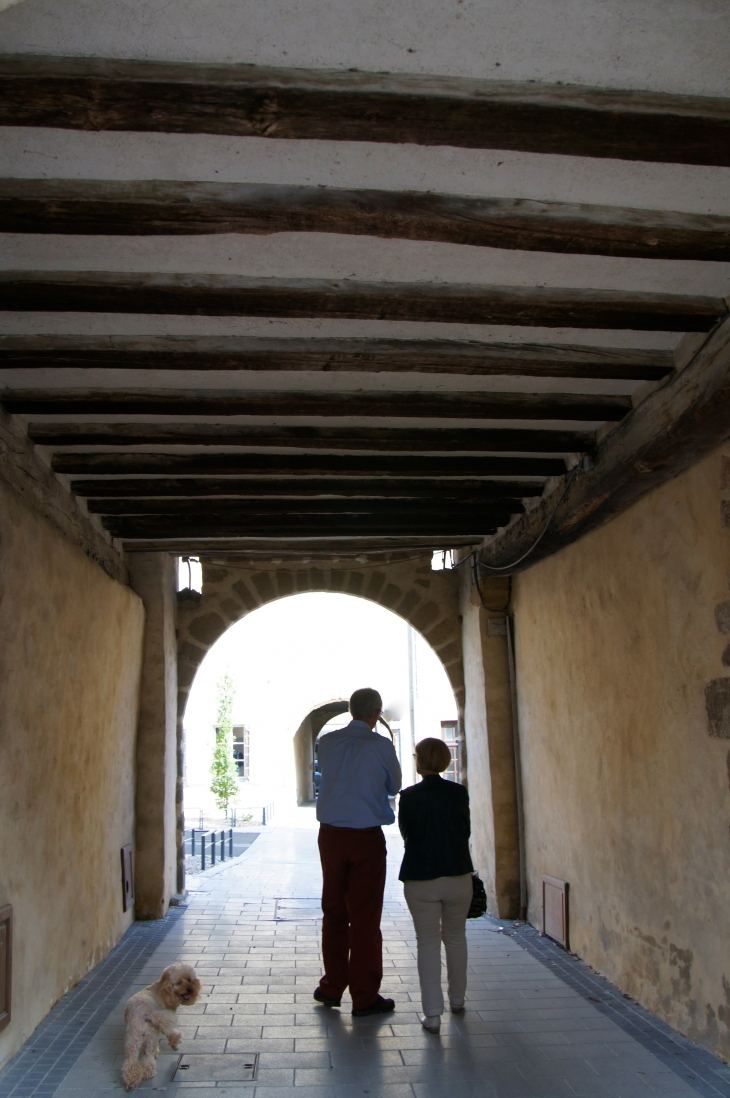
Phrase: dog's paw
x=174 y=1040
x=149 y=1069
x=132 y=1075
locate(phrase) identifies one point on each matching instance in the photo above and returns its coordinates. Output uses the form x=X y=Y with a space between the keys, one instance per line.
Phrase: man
x=360 y=771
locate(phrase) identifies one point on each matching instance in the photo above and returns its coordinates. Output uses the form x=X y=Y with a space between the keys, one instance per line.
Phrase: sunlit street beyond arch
x=293 y=657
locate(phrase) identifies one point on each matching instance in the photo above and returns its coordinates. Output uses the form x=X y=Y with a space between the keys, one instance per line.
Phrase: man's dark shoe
x=380 y=1006
x=320 y=996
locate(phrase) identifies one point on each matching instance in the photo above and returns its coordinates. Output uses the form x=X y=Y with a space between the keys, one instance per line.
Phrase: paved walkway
x=252 y=930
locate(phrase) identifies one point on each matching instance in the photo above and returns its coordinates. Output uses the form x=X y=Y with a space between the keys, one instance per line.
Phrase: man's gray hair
x=365 y=703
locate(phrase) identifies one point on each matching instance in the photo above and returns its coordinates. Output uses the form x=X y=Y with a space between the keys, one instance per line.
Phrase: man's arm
x=395 y=777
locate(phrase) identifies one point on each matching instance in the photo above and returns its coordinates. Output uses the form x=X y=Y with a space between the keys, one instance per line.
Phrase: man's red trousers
x=353 y=868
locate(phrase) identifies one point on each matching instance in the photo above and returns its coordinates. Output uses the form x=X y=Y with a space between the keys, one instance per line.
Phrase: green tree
x=225 y=780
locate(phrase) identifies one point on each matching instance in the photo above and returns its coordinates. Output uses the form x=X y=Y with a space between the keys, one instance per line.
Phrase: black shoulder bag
x=479 y=898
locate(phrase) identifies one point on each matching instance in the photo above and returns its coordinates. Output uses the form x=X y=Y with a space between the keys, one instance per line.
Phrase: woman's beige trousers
x=439 y=909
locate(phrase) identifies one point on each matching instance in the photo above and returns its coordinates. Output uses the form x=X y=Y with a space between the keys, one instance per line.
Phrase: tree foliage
x=225 y=779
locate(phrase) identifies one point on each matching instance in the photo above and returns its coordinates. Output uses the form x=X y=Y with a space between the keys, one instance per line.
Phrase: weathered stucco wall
x=70 y=653
x=626 y=794
x=152 y=576
x=489 y=742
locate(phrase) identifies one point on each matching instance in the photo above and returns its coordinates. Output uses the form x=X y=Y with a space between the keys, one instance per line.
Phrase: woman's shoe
x=457 y=1009
x=432 y=1024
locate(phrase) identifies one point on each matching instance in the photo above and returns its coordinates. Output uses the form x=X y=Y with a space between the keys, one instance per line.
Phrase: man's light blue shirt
x=360 y=770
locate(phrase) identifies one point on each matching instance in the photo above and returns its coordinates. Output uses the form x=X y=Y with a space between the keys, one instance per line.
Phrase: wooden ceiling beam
x=272 y=549
x=236 y=295
x=207 y=526
x=391 y=439
x=301 y=487
x=675 y=427
x=161 y=208
x=214 y=402
x=368 y=506
x=248 y=100
x=427 y=356
x=299 y=465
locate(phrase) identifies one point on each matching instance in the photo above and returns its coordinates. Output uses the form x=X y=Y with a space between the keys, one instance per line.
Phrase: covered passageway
x=326 y=297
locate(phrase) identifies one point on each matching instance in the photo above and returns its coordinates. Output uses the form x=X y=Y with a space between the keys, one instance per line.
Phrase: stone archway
x=427 y=600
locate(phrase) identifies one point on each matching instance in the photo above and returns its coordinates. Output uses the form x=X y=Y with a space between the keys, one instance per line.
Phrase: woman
x=436 y=873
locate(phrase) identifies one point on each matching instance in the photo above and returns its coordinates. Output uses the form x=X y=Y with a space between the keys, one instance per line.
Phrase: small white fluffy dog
x=149 y=1015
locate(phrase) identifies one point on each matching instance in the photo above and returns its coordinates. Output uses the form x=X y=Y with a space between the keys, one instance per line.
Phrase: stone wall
x=626 y=774
x=70 y=656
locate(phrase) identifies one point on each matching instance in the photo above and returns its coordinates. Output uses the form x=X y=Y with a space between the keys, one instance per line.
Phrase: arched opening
x=306 y=654
x=305 y=741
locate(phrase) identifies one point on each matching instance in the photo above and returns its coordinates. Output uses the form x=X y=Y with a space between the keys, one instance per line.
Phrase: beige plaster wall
x=626 y=794
x=70 y=651
x=488 y=734
x=153 y=578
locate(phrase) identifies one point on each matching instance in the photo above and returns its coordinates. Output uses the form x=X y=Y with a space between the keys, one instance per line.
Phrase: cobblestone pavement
x=538 y=1024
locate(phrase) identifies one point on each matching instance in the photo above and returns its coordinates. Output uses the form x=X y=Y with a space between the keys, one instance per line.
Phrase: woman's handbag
x=479 y=898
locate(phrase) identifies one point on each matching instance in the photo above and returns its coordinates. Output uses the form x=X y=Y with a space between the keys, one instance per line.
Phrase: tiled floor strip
x=532 y=1028
x=706 y=1074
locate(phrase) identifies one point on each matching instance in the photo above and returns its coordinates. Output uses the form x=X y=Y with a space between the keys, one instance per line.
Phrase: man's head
x=366 y=705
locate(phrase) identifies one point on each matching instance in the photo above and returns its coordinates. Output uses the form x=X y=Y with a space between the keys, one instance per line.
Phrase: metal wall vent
x=555 y=910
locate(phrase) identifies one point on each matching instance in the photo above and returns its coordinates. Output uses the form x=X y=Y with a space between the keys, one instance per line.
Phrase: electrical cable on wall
x=541 y=535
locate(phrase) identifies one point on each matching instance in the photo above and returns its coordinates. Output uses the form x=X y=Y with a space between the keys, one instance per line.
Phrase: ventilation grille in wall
x=6 y=967
x=555 y=910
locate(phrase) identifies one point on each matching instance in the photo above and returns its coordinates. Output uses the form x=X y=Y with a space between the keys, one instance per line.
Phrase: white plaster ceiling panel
x=62 y=323
x=662 y=45
x=366 y=259
x=39 y=153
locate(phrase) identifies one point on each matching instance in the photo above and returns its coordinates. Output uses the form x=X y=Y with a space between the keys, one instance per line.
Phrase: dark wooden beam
x=159 y=208
x=427 y=356
x=247 y=100
x=673 y=428
x=497 y=511
x=207 y=526
x=212 y=402
x=299 y=465
x=302 y=549
x=235 y=295
x=391 y=439
x=304 y=487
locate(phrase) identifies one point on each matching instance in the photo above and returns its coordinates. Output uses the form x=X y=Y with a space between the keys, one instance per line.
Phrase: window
x=450 y=733
x=241 y=751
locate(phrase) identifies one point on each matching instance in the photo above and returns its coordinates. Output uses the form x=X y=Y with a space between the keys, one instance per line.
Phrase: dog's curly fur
x=149 y=1015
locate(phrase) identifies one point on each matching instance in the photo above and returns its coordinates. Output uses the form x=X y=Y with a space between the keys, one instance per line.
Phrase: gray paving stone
x=527 y=1033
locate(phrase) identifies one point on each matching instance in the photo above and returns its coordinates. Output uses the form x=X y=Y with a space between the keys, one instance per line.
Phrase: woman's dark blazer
x=434 y=821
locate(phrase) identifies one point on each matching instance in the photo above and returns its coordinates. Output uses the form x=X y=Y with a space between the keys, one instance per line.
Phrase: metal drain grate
x=200 y=1070
x=298 y=910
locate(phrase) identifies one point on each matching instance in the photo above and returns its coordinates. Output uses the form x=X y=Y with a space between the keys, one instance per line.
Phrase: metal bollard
x=212 y=847
x=202 y=852
x=223 y=846
x=193 y=838
x=230 y=842
x=263 y=817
